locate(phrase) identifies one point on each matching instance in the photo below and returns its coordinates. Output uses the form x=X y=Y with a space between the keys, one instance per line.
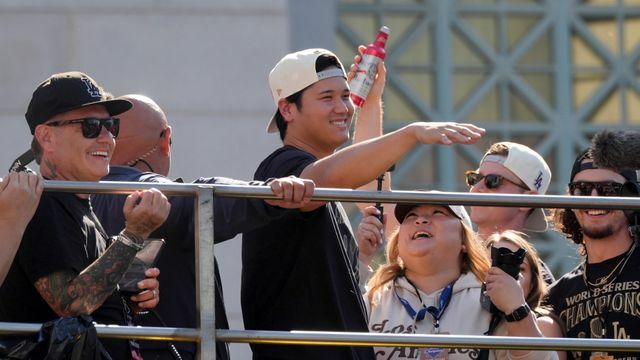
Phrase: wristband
x=126 y=241
x=131 y=236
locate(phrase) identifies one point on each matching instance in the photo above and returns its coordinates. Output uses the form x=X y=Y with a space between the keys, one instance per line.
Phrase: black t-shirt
x=177 y=306
x=582 y=310
x=64 y=235
x=300 y=272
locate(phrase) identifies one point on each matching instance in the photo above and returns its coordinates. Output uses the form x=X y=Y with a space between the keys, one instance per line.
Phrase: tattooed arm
x=69 y=294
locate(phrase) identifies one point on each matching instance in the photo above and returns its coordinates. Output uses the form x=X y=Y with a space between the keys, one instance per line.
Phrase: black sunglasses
x=91 y=127
x=491 y=181
x=603 y=188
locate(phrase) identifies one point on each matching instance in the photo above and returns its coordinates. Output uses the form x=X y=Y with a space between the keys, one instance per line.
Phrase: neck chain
x=613 y=274
x=611 y=277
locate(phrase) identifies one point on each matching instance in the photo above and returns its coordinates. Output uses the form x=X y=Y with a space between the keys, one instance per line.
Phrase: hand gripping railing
x=206 y=334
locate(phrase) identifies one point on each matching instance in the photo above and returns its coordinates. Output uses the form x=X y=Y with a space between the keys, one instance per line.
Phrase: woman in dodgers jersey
x=431 y=284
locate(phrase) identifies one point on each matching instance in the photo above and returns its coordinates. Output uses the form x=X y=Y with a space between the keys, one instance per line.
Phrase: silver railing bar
x=417 y=340
x=120 y=187
x=348 y=195
x=348 y=338
x=114 y=331
x=205 y=279
x=443 y=198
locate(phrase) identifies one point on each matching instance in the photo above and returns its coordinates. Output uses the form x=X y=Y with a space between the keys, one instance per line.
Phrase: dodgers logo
x=538 y=182
x=93 y=90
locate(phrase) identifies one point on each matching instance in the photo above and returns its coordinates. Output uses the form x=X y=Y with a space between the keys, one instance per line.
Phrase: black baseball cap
x=69 y=91
x=459 y=211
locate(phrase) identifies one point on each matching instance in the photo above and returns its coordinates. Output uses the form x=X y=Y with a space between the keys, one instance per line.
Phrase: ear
x=45 y=136
x=165 y=142
x=287 y=109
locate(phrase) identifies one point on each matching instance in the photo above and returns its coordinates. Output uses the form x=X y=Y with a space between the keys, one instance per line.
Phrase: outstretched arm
x=361 y=163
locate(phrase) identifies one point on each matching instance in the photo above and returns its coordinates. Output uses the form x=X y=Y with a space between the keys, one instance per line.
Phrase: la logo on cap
x=93 y=90
x=538 y=181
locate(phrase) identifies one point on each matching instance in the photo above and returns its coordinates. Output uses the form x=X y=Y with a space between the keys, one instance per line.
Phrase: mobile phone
x=144 y=259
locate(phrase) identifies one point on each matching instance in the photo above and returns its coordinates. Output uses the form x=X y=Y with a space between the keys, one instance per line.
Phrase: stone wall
x=205 y=62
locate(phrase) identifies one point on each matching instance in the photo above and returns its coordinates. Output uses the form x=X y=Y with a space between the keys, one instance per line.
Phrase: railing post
x=205 y=282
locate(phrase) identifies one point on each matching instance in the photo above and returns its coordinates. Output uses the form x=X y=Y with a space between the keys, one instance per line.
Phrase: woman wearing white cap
x=431 y=284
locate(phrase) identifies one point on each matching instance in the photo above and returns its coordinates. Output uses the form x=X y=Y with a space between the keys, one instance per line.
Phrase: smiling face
x=600 y=224
x=433 y=233
x=68 y=155
x=322 y=123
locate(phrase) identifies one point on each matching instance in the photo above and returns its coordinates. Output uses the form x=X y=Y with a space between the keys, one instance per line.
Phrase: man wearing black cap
x=600 y=297
x=66 y=264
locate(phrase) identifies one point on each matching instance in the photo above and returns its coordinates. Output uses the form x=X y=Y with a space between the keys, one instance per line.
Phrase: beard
x=598 y=233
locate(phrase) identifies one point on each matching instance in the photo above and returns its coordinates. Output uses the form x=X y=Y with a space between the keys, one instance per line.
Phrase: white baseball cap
x=296 y=71
x=534 y=172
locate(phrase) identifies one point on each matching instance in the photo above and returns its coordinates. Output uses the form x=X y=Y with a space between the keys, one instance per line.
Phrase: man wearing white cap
x=510 y=168
x=300 y=273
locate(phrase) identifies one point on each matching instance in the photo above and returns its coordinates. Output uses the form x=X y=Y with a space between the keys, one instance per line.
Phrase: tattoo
x=53 y=169
x=70 y=294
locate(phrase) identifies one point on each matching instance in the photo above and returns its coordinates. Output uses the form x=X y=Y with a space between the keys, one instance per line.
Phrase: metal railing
x=206 y=334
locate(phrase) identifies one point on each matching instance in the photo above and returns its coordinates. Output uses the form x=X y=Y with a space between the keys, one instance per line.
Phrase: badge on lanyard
x=434 y=353
x=600 y=356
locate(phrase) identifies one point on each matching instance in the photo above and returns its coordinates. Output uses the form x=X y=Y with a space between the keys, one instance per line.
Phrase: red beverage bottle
x=368 y=68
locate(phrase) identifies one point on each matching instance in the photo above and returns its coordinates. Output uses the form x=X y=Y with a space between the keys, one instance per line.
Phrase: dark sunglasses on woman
x=491 y=181
x=603 y=188
x=91 y=127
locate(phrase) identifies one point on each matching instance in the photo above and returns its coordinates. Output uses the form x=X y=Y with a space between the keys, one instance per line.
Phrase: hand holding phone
x=144 y=259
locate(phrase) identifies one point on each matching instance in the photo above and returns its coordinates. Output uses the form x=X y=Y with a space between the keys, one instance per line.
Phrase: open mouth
x=598 y=212
x=340 y=123
x=421 y=235
x=104 y=154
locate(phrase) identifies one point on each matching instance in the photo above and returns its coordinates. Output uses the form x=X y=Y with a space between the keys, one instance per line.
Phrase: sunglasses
x=491 y=181
x=91 y=127
x=603 y=188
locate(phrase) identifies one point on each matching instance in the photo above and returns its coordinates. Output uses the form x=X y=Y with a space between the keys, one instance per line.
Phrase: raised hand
x=293 y=192
x=446 y=133
x=505 y=292
x=144 y=211
x=19 y=197
x=381 y=77
x=370 y=234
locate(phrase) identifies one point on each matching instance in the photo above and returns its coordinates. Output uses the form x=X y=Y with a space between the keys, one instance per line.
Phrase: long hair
x=474 y=259
x=538 y=289
x=565 y=221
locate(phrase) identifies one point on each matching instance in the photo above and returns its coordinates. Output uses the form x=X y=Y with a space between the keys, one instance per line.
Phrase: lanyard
x=133 y=343
x=435 y=312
